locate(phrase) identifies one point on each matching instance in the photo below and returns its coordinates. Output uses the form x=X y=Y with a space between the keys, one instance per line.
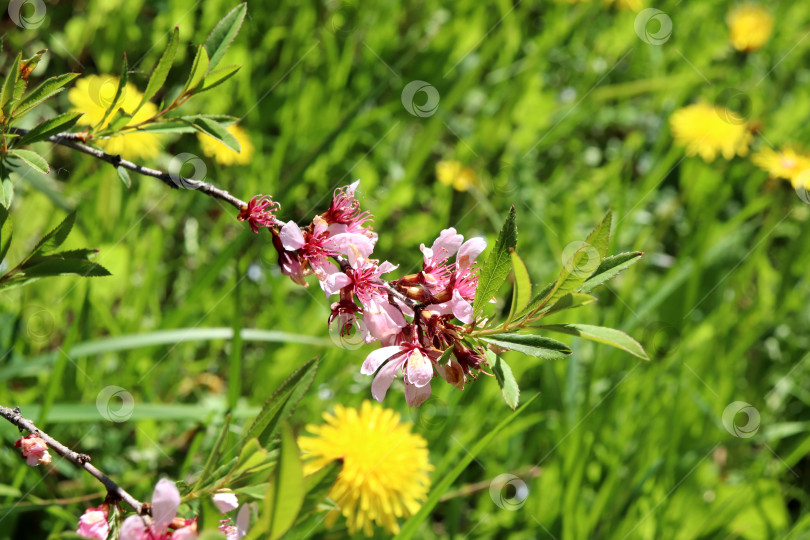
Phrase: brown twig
x=70 y=140
x=114 y=491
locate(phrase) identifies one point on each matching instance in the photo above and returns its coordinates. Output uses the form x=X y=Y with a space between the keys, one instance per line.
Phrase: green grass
x=562 y=110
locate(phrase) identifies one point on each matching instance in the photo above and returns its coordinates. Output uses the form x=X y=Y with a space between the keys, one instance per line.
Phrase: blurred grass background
x=560 y=109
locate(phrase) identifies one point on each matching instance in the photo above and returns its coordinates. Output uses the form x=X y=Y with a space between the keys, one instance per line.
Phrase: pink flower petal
x=134 y=528
x=165 y=502
x=447 y=244
x=225 y=501
x=375 y=358
x=419 y=369
x=415 y=396
x=469 y=251
x=382 y=382
x=462 y=309
x=291 y=236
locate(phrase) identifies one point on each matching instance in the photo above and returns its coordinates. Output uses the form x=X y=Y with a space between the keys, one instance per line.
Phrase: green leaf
x=32 y=159
x=198 y=70
x=583 y=262
x=9 y=85
x=6 y=190
x=56 y=237
x=572 y=300
x=218 y=76
x=537 y=346
x=224 y=33
x=536 y=301
x=49 y=127
x=317 y=487
x=610 y=268
x=283 y=401
x=410 y=528
x=608 y=336
x=56 y=265
x=30 y=64
x=123 y=174
x=119 y=120
x=285 y=492
x=169 y=126
x=5 y=232
x=219 y=132
x=506 y=379
x=213 y=457
x=522 y=290
x=47 y=89
x=119 y=92
x=252 y=455
x=161 y=71
x=496 y=268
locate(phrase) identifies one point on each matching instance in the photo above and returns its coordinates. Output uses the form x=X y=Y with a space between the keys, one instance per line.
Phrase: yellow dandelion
x=707 y=130
x=92 y=95
x=750 y=26
x=453 y=173
x=385 y=466
x=224 y=155
x=788 y=163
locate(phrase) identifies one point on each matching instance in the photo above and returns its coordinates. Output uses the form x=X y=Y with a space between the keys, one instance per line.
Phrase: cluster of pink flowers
x=415 y=318
x=164 y=523
x=34 y=449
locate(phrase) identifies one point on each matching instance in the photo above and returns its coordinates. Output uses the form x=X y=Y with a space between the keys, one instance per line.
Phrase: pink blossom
x=416 y=364
x=225 y=500
x=34 y=450
x=93 y=523
x=463 y=283
x=345 y=210
x=165 y=502
x=363 y=276
x=259 y=212
x=381 y=320
x=238 y=530
x=435 y=269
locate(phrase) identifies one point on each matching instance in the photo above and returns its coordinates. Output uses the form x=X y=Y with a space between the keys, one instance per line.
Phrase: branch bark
x=174 y=181
x=114 y=491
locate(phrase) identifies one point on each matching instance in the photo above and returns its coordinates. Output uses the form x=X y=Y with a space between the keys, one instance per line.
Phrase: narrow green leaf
x=56 y=237
x=7 y=94
x=213 y=457
x=5 y=232
x=285 y=492
x=506 y=379
x=119 y=92
x=583 y=262
x=123 y=174
x=610 y=268
x=198 y=70
x=224 y=33
x=6 y=191
x=49 y=127
x=252 y=455
x=317 y=487
x=220 y=133
x=30 y=64
x=522 y=290
x=602 y=334
x=55 y=265
x=283 y=401
x=411 y=526
x=218 y=76
x=32 y=159
x=47 y=89
x=496 y=268
x=161 y=70
x=537 y=346
x=572 y=300
x=536 y=301
x=119 y=120
x=168 y=127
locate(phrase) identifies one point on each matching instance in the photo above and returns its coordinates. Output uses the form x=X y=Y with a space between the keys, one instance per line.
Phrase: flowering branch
x=114 y=491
